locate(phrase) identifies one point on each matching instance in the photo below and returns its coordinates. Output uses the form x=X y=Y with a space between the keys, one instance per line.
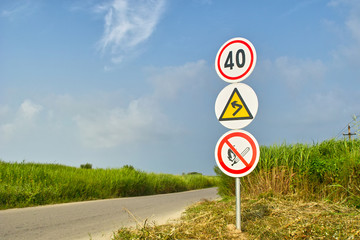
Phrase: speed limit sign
x=235 y=60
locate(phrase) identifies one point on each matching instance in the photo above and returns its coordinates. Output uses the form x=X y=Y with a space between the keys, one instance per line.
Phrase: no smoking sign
x=237 y=153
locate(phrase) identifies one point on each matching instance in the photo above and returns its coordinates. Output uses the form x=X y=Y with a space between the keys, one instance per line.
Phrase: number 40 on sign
x=235 y=60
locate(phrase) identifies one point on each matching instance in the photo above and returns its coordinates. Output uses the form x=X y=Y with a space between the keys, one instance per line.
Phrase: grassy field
x=30 y=184
x=296 y=192
x=326 y=171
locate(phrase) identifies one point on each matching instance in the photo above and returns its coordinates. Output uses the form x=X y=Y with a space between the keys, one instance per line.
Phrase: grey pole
x=238 y=204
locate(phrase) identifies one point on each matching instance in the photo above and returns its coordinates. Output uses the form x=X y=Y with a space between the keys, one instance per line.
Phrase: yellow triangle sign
x=236 y=108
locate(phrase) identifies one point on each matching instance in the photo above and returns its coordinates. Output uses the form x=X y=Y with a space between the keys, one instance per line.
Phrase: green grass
x=30 y=184
x=327 y=171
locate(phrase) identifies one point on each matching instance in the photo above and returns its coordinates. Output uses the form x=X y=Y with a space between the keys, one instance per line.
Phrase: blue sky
x=133 y=82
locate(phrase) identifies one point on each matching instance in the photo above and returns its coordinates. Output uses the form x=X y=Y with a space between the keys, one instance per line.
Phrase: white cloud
x=7 y=130
x=128 y=23
x=143 y=119
x=19 y=8
x=169 y=81
x=296 y=73
x=4 y=110
x=81 y=5
x=28 y=110
x=323 y=107
x=324 y=114
x=140 y=121
x=22 y=121
x=353 y=24
x=298 y=6
x=349 y=52
x=337 y=3
x=106 y=120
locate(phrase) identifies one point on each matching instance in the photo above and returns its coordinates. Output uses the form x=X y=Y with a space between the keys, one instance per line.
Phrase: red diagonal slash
x=237 y=153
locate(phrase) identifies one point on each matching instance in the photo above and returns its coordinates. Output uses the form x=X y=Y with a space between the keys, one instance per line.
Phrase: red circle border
x=253 y=159
x=251 y=62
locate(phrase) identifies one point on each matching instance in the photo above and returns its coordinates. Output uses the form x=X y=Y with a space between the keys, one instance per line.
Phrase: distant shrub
x=130 y=167
x=86 y=166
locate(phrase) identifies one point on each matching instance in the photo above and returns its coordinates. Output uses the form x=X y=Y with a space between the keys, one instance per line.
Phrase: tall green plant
x=330 y=170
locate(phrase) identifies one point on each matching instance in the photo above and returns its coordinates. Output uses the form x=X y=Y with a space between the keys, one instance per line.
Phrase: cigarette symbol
x=235 y=159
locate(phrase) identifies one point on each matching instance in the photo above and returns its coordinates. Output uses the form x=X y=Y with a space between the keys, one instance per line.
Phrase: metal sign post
x=237 y=154
x=238 y=203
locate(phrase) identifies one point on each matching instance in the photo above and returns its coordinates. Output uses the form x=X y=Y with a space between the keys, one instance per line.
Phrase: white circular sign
x=236 y=106
x=235 y=60
x=237 y=153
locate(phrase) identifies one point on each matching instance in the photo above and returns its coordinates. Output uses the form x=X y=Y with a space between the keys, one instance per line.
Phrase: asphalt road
x=95 y=219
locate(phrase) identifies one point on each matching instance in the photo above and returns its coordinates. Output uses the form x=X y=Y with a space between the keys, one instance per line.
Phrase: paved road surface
x=97 y=219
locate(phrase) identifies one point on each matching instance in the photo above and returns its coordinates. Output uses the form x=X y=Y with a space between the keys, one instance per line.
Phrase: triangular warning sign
x=236 y=108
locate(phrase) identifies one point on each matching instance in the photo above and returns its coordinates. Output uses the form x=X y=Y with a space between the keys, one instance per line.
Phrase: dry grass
x=265 y=217
x=278 y=179
x=304 y=220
